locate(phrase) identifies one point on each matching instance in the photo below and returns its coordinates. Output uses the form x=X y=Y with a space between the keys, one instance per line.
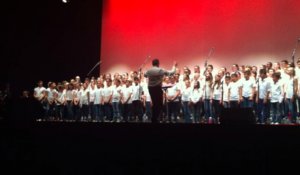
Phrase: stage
x=145 y=148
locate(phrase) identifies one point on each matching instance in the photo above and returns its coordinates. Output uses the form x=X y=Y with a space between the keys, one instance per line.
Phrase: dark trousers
x=298 y=100
x=173 y=107
x=92 y=110
x=137 y=109
x=69 y=110
x=186 y=111
x=85 y=111
x=59 y=112
x=247 y=103
x=263 y=110
x=77 y=112
x=216 y=109
x=51 y=111
x=234 y=104
x=197 y=110
x=148 y=110
x=99 y=112
x=290 y=108
x=156 y=94
x=126 y=110
x=275 y=112
x=108 y=111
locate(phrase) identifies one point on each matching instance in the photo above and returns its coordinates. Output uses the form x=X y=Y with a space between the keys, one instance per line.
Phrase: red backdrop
x=241 y=31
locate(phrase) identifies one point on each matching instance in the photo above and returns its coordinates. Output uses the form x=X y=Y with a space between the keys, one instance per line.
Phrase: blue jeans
x=247 y=103
x=137 y=110
x=127 y=111
x=45 y=106
x=173 y=108
x=298 y=100
x=282 y=109
x=92 y=110
x=116 y=110
x=69 y=107
x=290 y=107
x=275 y=112
x=216 y=106
x=207 y=108
x=148 y=110
x=59 y=112
x=77 y=112
x=108 y=111
x=197 y=111
x=263 y=111
x=234 y=104
x=51 y=110
x=226 y=104
x=186 y=111
x=85 y=111
x=99 y=112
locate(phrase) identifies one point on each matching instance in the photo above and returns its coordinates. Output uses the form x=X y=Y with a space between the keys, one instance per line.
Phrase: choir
x=198 y=96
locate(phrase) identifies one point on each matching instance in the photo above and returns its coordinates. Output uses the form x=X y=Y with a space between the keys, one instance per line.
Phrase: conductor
x=155 y=77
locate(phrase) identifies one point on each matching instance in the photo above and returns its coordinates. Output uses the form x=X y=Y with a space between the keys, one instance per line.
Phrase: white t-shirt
x=196 y=95
x=217 y=93
x=38 y=91
x=69 y=95
x=225 y=89
x=298 y=78
x=77 y=95
x=92 y=94
x=247 y=86
x=107 y=92
x=207 y=91
x=233 y=87
x=84 y=97
x=60 y=98
x=276 y=92
x=127 y=93
x=283 y=75
x=289 y=88
x=98 y=96
x=116 y=94
x=297 y=71
x=51 y=93
x=136 y=92
x=264 y=87
x=186 y=93
x=146 y=93
x=171 y=92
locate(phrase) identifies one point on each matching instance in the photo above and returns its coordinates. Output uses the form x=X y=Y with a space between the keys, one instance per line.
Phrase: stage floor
x=145 y=148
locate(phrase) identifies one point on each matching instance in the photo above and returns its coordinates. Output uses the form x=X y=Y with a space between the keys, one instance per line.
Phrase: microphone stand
x=222 y=95
x=294 y=51
x=140 y=68
x=209 y=55
x=97 y=64
x=205 y=65
x=293 y=61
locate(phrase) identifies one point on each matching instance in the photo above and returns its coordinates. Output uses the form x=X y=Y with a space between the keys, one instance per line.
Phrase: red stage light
x=242 y=31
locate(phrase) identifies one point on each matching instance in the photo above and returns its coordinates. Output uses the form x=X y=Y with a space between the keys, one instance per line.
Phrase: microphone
x=294 y=51
x=145 y=61
x=97 y=64
x=211 y=51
